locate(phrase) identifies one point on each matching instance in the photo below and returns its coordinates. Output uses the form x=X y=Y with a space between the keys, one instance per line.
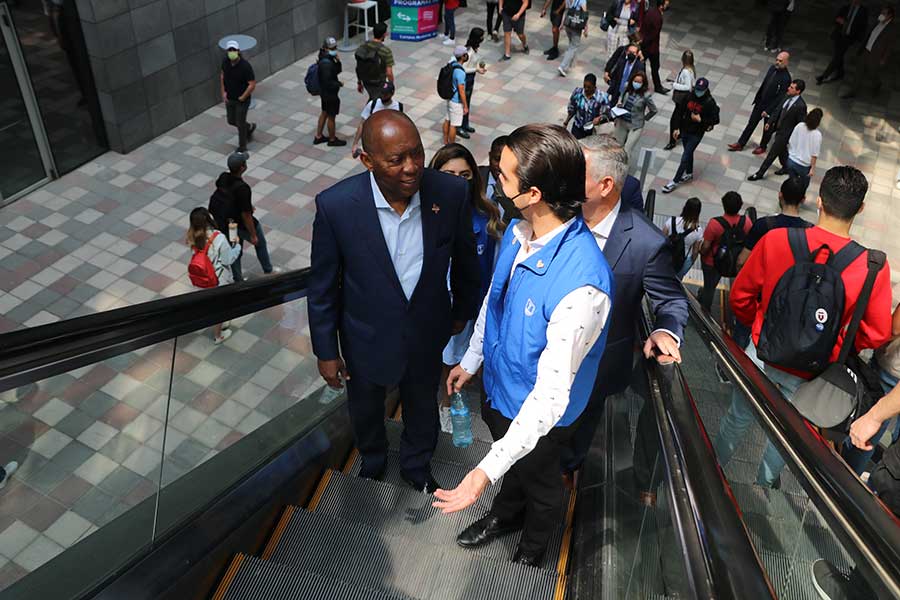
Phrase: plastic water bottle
x=462 y=420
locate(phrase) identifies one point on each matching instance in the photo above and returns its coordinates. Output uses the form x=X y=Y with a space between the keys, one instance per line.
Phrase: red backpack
x=201 y=270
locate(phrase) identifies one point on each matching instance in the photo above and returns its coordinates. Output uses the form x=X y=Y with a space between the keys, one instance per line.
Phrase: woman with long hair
x=682 y=88
x=688 y=227
x=804 y=146
x=639 y=107
x=203 y=235
x=475 y=65
x=488 y=226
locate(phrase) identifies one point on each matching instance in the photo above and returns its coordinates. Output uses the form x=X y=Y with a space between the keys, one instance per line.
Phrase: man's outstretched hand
x=464 y=495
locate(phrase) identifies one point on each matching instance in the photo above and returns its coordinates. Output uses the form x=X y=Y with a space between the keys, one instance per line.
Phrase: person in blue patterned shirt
x=588 y=107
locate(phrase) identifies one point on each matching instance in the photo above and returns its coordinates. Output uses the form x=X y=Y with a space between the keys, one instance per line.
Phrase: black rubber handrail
x=717 y=550
x=32 y=354
x=868 y=530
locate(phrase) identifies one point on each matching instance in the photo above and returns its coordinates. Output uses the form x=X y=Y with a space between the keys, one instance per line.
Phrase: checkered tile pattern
x=111 y=234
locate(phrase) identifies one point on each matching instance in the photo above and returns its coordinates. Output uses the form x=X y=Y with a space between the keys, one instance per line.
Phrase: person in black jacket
x=696 y=115
x=849 y=28
x=624 y=61
x=329 y=69
x=788 y=114
x=769 y=95
x=779 y=11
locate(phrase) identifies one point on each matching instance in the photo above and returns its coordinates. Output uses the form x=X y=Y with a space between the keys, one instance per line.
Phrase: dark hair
x=379 y=29
x=690 y=213
x=843 y=191
x=476 y=186
x=732 y=203
x=590 y=77
x=813 y=119
x=201 y=221
x=890 y=9
x=497 y=145
x=800 y=84
x=630 y=87
x=476 y=36
x=551 y=160
x=792 y=191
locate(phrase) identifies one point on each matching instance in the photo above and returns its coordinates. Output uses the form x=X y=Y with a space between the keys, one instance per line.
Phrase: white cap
x=232 y=45
x=460 y=51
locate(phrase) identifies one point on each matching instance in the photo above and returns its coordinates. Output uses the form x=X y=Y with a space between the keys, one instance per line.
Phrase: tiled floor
x=111 y=234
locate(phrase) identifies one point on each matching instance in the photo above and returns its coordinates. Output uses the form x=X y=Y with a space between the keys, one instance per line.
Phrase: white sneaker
x=226 y=325
x=446 y=421
x=226 y=333
x=441 y=36
x=562 y=71
x=669 y=187
x=686 y=177
x=275 y=271
x=12 y=466
x=449 y=42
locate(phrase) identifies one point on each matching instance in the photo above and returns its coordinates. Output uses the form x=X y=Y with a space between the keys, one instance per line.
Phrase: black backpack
x=730 y=245
x=679 y=251
x=222 y=207
x=370 y=67
x=803 y=319
x=445 y=87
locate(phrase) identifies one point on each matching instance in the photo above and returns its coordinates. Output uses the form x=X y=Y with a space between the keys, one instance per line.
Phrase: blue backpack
x=312 y=79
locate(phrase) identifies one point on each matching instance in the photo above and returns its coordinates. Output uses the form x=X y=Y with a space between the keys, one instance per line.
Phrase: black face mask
x=629 y=57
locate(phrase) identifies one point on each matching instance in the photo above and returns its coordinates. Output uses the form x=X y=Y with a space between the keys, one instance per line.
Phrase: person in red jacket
x=841 y=198
x=651 y=28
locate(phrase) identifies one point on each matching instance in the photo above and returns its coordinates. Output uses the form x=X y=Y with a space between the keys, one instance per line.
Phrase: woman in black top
x=329 y=84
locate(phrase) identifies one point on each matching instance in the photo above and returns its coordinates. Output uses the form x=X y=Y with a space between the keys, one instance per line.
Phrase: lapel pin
x=540 y=264
x=435 y=208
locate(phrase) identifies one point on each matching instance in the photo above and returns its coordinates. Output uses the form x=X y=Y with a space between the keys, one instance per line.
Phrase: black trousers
x=755 y=118
x=779 y=150
x=654 y=71
x=493 y=25
x=711 y=279
x=775 y=30
x=839 y=46
x=532 y=490
x=418 y=393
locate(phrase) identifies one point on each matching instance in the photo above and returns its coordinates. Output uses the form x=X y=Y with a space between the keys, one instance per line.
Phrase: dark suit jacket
x=631 y=194
x=354 y=291
x=615 y=66
x=772 y=89
x=786 y=121
x=860 y=24
x=884 y=43
x=641 y=261
x=651 y=27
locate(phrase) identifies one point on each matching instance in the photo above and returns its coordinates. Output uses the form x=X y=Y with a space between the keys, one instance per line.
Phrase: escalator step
x=359 y=554
x=257 y=579
x=403 y=512
x=448 y=474
x=445 y=451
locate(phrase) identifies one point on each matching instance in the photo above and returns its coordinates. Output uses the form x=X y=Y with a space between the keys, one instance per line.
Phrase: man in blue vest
x=540 y=335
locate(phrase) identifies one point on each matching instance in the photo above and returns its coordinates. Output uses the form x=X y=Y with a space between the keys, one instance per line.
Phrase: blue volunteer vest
x=519 y=309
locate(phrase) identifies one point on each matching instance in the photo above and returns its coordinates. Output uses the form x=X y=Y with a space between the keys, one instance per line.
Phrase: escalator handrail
x=866 y=527
x=712 y=534
x=32 y=354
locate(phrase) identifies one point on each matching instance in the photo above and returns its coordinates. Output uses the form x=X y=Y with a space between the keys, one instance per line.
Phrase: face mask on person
x=882 y=18
x=637 y=85
x=332 y=53
x=233 y=55
x=629 y=57
x=700 y=93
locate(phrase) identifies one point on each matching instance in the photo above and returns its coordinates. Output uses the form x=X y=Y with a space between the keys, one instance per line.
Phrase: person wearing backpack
x=695 y=117
x=784 y=325
x=374 y=63
x=212 y=257
x=329 y=84
x=452 y=88
x=685 y=236
x=790 y=197
x=723 y=240
x=575 y=23
x=385 y=101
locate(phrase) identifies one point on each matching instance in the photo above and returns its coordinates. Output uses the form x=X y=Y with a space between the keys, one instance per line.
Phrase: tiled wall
x=156 y=62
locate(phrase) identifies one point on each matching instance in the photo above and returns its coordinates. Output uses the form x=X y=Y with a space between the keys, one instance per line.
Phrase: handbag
x=849 y=387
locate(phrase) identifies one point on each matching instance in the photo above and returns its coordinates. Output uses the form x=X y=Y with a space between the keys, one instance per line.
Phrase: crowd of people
x=524 y=276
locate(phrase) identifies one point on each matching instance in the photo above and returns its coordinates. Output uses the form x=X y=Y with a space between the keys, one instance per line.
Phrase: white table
x=362 y=10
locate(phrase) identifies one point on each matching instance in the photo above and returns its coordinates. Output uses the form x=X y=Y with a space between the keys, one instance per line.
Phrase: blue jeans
x=737 y=420
x=858 y=459
x=772 y=463
x=689 y=141
x=262 y=251
x=450 y=23
x=798 y=170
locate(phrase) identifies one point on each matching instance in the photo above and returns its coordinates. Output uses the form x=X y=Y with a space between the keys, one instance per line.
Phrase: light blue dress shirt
x=403 y=236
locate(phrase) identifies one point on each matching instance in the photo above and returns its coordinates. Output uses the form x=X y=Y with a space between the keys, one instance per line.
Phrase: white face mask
x=882 y=18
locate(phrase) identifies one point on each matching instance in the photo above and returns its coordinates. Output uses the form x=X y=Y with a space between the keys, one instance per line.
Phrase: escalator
x=247 y=489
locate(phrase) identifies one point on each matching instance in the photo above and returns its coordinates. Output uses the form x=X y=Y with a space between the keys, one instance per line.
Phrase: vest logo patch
x=479 y=249
x=529 y=308
x=821 y=315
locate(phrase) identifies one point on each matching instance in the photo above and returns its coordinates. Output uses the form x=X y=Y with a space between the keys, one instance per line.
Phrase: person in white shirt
x=540 y=335
x=386 y=101
x=688 y=224
x=682 y=88
x=804 y=146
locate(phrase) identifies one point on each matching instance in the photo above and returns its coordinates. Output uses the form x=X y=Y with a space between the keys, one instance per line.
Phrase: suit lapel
x=369 y=228
x=430 y=210
x=619 y=237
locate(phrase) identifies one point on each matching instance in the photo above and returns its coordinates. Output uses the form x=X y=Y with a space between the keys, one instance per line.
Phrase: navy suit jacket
x=641 y=261
x=631 y=194
x=354 y=291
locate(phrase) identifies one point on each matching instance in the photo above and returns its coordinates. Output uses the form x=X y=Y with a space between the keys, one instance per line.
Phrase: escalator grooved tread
x=361 y=555
x=257 y=579
x=378 y=504
x=445 y=450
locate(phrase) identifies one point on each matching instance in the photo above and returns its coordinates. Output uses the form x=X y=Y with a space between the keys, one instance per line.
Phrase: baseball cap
x=387 y=88
x=232 y=45
x=330 y=42
x=701 y=84
x=460 y=51
x=237 y=159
